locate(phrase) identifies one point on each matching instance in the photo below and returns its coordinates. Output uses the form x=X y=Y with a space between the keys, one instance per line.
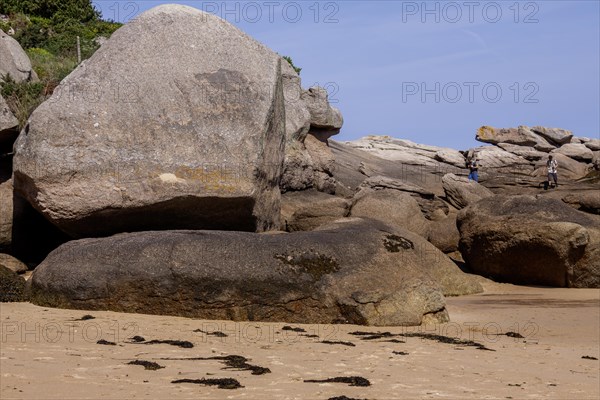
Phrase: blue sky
x=434 y=71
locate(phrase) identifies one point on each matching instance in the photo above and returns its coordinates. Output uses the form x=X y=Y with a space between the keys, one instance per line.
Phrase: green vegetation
x=289 y=59
x=48 y=31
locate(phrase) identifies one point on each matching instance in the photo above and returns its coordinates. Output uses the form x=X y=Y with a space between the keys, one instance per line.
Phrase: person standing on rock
x=552 y=166
x=473 y=168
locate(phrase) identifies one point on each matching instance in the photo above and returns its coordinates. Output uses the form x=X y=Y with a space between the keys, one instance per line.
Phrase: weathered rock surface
x=531 y=240
x=408 y=152
x=593 y=144
x=554 y=135
x=461 y=192
x=308 y=160
x=495 y=158
x=6 y=214
x=12 y=263
x=444 y=234
x=12 y=286
x=8 y=123
x=452 y=157
x=575 y=151
x=323 y=116
x=14 y=61
x=307 y=210
x=521 y=136
x=353 y=271
x=392 y=207
x=193 y=141
x=585 y=201
x=528 y=153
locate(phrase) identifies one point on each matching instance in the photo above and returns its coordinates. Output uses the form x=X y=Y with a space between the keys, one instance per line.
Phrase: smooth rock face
x=554 y=135
x=461 y=192
x=392 y=207
x=531 y=240
x=14 y=60
x=575 y=151
x=353 y=271
x=195 y=138
x=12 y=263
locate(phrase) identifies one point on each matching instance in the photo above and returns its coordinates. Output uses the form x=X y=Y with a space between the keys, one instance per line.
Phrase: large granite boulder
x=353 y=271
x=309 y=209
x=444 y=234
x=195 y=138
x=522 y=136
x=531 y=240
x=461 y=192
x=325 y=120
x=14 y=61
x=576 y=151
x=554 y=135
x=391 y=207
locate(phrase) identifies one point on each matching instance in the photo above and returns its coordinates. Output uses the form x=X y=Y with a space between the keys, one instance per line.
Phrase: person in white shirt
x=552 y=166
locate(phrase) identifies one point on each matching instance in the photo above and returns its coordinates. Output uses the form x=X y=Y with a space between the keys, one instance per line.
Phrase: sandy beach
x=47 y=354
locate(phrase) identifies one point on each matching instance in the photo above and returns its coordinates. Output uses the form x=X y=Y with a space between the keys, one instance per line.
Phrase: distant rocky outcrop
x=14 y=61
x=353 y=271
x=409 y=153
x=531 y=240
x=192 y=141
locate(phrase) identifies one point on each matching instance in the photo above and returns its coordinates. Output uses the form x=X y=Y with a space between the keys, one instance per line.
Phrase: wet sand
x=46 y=354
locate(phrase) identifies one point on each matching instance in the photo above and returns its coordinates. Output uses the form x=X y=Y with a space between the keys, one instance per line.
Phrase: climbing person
x=552 y=166
x=473 y=168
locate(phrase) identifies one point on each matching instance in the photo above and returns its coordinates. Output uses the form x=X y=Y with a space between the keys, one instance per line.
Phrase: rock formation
x=353 y=271
x=191 y=141
x=14 y=61
x=531 y=240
